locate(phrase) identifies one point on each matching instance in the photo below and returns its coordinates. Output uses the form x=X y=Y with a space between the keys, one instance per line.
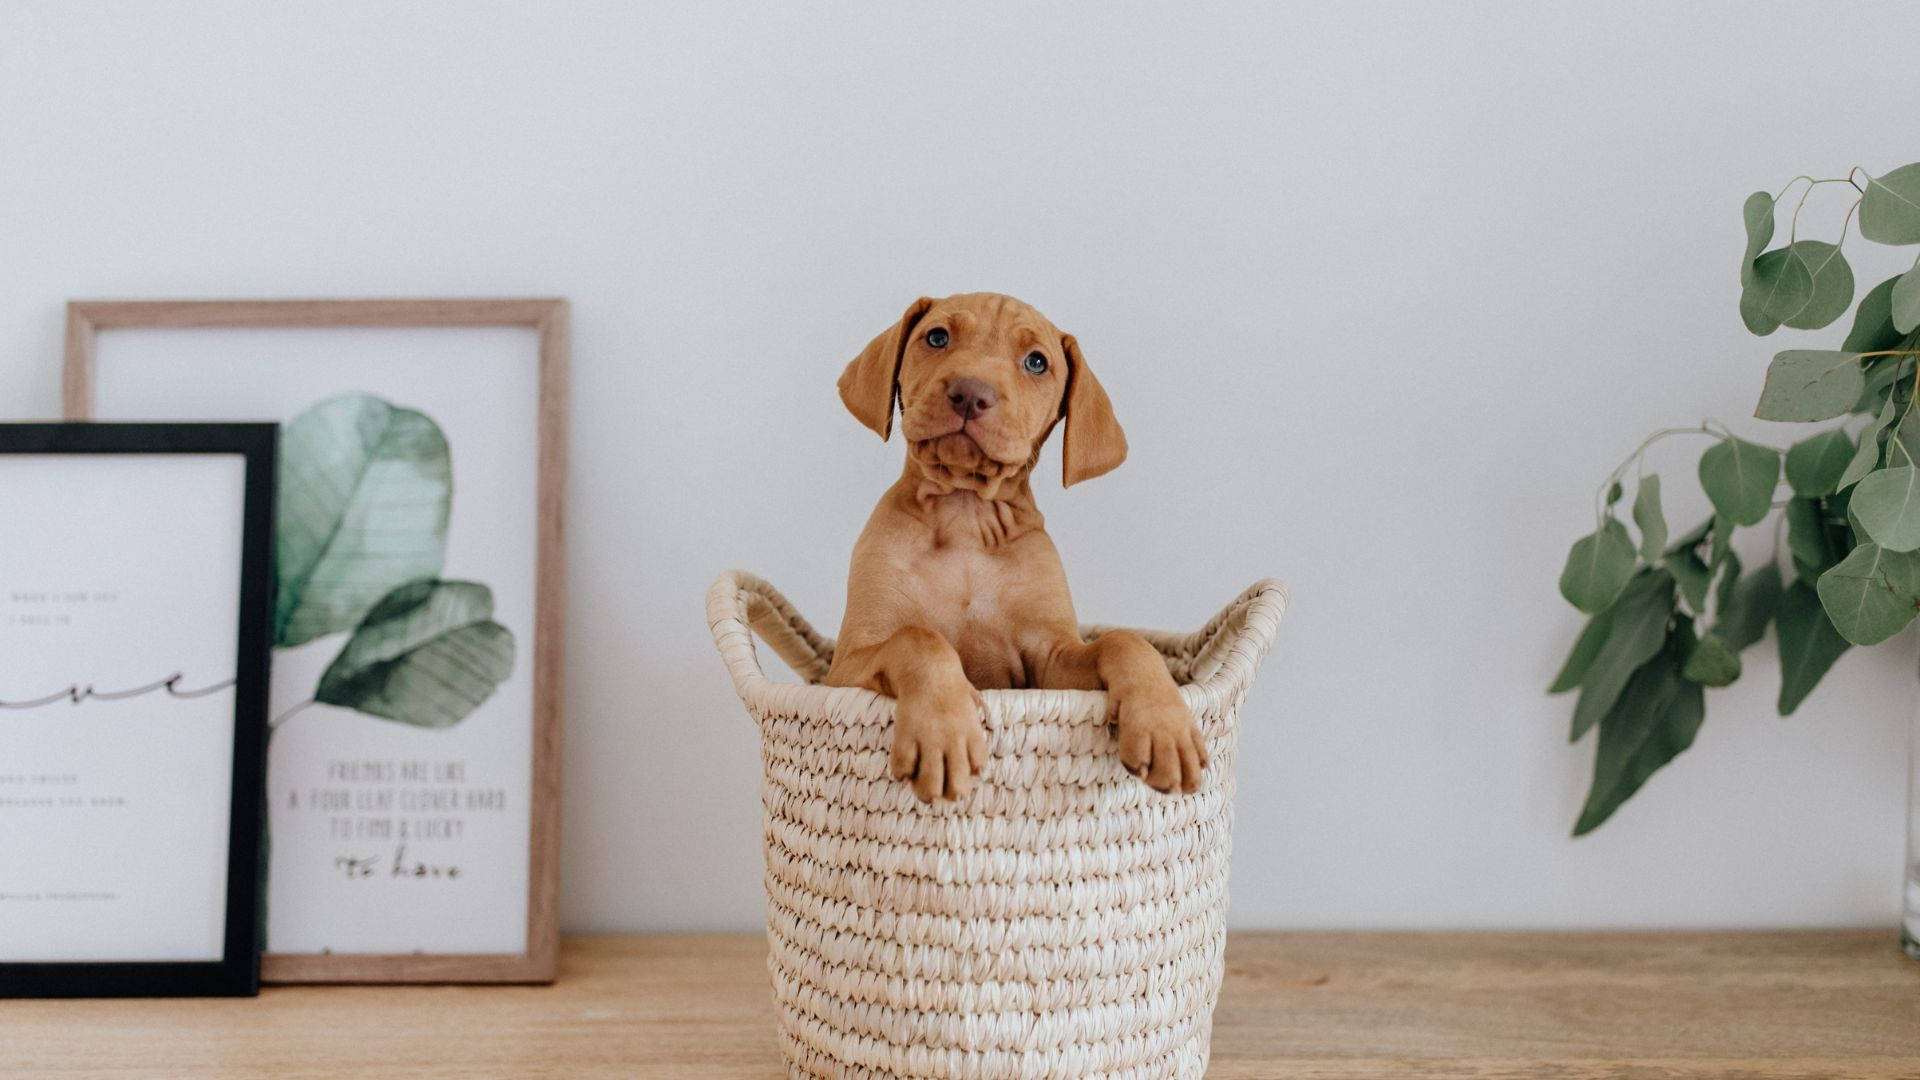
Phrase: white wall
x=1380 y=292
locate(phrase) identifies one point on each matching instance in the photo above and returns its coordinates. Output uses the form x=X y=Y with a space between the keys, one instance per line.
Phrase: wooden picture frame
x=140 y=932
x=87 y=321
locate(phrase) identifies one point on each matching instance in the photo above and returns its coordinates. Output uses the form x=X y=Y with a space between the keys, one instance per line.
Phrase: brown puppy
x=955 y=584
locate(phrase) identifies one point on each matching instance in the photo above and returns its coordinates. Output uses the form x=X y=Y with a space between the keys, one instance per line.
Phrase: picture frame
x=466 y=890
x=133 y=548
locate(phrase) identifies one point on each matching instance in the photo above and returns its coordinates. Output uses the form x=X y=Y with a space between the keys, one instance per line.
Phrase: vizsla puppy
x=955 y=584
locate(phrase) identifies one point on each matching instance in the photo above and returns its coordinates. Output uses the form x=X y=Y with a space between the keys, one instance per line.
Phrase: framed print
x=414 y=724
x=135 y=596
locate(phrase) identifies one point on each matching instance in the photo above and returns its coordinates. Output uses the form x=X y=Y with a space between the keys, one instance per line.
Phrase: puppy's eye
x=1036 y=363
x=937 y=337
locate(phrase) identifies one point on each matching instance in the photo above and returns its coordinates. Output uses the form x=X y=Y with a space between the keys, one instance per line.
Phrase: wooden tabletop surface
x=1540 y=1006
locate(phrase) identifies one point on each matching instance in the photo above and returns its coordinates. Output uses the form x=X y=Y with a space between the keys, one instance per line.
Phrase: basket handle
x=740 y=605
x=1240 y=636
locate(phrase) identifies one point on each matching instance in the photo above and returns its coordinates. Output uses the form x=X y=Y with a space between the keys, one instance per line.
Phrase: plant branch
x=288 y=715
x=1600 y=497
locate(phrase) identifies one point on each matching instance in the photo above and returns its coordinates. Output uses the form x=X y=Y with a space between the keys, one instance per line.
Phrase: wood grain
x=1345 y=1005
x=86 y=319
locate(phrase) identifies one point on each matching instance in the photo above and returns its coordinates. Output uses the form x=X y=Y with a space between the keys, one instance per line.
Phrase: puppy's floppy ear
x=870 y=382
x=1094 y=443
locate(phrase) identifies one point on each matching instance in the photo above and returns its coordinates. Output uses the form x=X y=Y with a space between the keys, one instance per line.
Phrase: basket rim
x=1238 y=637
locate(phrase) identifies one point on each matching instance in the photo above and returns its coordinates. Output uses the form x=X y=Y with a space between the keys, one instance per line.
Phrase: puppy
x=955 y=586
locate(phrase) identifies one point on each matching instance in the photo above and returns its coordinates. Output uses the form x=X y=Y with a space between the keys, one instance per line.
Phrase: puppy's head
x=981 y=380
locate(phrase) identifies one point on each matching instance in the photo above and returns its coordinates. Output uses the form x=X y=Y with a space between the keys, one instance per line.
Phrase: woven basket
x=1064 y=920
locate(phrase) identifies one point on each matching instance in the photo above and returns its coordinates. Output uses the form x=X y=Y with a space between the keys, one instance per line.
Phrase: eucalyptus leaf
x=1647 y=515
x=1727 y=576
x=1890 y=209
x=1873 y=328
x=1807 y=539
x=1639 y=626
x=1832 y=285
x=1776 y=282
x=427 y=655
x=1809 y=644
x=365 y=490
x=1873 y=593
x=1815 y=464
x=1887 y=505
x=1739 y=477
x=1881 y=373
x=1585 y=648
x=1614 y=491
x=1807 y=384
x=1757 y=214
x=1905 y=302
x=1691 y=538
x=1713 y=662
x=1746 y=611
x=1598 y=567
x=1655 y=718
x=1903 y=441
x=1693 y=578
x=1721 y=546
x=1866 y=456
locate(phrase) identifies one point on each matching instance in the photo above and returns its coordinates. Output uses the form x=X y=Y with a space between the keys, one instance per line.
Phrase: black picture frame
x=237 y=972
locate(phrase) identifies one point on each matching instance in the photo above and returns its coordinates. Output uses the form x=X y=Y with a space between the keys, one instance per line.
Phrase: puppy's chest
x=973 y=599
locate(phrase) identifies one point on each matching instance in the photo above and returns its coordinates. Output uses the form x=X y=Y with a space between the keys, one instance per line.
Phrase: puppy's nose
x=970 y=397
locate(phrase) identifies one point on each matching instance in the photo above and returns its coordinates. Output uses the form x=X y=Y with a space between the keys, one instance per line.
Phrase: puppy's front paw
x=1159 y=742
x=939 y=743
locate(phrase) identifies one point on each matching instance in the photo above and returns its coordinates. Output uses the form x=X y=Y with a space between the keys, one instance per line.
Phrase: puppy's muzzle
x=970 y=397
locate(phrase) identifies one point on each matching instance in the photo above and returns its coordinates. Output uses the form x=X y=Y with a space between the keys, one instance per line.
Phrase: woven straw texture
x=1064 y=920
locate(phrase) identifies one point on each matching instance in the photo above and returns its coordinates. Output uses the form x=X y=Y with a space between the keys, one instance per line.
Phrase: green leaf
x=1815 y=465
x=1727 y=573
x=1692 y=537
x=1777 y=282
x=1905 y=302
x=428 y=654
x=1739 y=477
x=365 y=489
x=1881 y=372
x=1873 y=593
x=1808 y=644
x=1832 y=285
x=1614 y=491
x=1655 y=719
x=1807 y=538
x=1713 y=662
x=1873 y=328
x=1890 y=209
x=1574 y=671
x=1722 y=545
x=1693 y=578
x=1757 y=213
x=1598 y=567
x=1809 y=384
x=1866 y=456
x=1746 y=611
x=1887 y=504
x=1639 y=626
x=1903 y=444
x=1647 y=515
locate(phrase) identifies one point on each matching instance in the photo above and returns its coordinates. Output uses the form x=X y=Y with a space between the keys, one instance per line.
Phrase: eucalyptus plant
x=1670 y=616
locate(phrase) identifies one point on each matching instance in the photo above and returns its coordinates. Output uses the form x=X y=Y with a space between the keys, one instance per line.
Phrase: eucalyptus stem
x=1600 y=497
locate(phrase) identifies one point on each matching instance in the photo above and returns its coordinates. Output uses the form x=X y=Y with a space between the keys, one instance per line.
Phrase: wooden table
x=1520 y=1005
